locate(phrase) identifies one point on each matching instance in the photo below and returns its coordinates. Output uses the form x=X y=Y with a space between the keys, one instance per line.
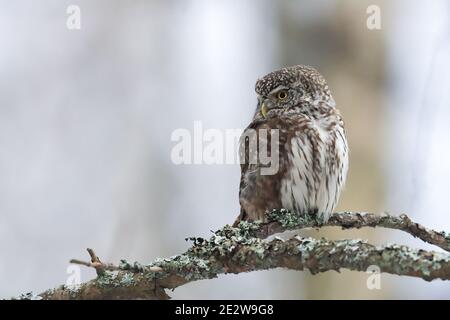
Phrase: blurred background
x=86 y=118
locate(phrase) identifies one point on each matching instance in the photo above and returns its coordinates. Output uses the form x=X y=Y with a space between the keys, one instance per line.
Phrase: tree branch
x=282 y=220
x=243 y=249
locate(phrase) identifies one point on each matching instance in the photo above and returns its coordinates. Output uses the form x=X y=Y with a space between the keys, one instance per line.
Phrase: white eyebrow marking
x=280 y=87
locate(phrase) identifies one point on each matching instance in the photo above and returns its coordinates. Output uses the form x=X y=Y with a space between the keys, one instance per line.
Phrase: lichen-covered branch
x=243 y=249
x=282 y=220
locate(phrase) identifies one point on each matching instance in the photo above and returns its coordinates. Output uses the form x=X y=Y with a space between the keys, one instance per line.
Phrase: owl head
x=291 y=90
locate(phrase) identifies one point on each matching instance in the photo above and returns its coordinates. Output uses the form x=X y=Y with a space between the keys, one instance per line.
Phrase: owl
x=311 y=153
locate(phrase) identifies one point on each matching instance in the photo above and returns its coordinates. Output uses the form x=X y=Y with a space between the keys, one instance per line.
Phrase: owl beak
x=263 y=110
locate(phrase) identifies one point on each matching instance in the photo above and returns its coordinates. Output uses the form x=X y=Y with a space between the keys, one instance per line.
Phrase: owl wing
x=245 y=167
x=258 y=191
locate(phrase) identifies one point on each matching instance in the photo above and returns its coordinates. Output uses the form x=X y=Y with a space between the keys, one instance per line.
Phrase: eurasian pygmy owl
x=312 y=148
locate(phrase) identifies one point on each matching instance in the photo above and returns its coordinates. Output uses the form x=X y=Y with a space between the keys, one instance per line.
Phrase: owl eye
x=282 y=95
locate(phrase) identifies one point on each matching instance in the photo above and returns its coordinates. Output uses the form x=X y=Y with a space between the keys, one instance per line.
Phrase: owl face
x=297 y=89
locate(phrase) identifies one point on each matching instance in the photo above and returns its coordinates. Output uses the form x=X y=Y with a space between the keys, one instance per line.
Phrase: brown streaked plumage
x=312 y=149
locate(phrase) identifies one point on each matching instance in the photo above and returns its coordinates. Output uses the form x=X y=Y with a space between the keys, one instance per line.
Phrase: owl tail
x=240 y=217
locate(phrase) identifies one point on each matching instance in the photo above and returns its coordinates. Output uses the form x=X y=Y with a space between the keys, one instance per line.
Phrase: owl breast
x=316 y=169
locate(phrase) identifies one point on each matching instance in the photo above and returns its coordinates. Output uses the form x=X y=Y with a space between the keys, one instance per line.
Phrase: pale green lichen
x=189 y=266
x=127 y=280
x=116 y=279
x=107 y=279
x=290 y=220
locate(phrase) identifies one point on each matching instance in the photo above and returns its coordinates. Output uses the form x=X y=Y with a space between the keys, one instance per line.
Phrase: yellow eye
x=281 y=95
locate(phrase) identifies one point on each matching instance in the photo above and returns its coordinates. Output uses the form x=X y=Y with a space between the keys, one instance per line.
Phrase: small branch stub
x=100 y=267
